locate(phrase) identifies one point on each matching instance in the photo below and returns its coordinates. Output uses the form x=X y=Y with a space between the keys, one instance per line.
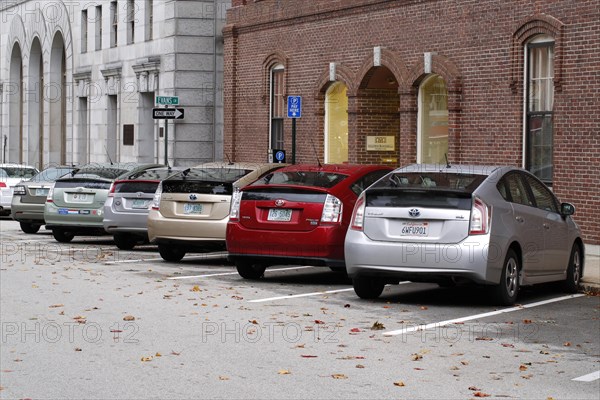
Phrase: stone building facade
x=78 y=80
x=397 y=82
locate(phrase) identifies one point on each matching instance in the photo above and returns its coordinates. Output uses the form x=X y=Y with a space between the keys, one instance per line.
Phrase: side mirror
x=567 y=209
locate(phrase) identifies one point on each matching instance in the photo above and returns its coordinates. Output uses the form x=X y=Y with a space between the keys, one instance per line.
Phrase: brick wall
x=476 y=46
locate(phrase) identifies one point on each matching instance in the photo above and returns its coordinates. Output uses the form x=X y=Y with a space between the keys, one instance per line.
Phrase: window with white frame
x=98 y=25
x=432 y=140
x=277 y=106
x=149 y=19
x=84 y=30
x=539 y=102
x=114 y=23
x=130 y=21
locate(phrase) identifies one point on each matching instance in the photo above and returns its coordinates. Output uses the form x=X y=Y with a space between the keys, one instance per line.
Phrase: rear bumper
x=324 y=245
x=470 y=259
x=27 y=212
x=173 y=230
x=73 y=217
x=6 y=196
x=134 y=222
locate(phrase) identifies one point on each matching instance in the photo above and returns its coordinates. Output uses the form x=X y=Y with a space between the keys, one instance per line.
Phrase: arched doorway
x=55 y=92
x=377 y=119
x=432 y=138
x=15 y=108
x=35 y=106
x=336 y=123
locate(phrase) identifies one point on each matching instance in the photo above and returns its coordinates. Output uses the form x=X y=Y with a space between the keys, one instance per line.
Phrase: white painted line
x=209 y=256
x=589 y=377
x=300 y=295
x=469 y=318
x=234 y=273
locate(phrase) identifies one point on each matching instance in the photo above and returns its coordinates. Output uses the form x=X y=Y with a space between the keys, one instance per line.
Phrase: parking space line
x=589 y=377
x=299 y=295
x=477 y=316
x=210 y=256
x=235 y=273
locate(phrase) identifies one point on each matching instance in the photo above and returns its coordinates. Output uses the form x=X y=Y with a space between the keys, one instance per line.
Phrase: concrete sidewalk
x=590 y=282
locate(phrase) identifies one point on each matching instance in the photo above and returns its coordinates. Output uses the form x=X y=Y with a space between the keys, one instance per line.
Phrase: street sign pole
x=166 y=140
x=293 y=140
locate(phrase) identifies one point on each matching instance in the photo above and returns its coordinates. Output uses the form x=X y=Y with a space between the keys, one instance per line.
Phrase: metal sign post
x=167 y=114
x=294 y=104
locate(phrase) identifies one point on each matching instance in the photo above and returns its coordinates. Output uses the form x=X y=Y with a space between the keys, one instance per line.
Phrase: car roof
x=234 y=165
x=346 y=169
x=12 y=165
x=149 y=174
x=458 y=168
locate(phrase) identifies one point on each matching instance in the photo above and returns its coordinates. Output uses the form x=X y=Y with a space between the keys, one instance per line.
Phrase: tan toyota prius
x=190 y=209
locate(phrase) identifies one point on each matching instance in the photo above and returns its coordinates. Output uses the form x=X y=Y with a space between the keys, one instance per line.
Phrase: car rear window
x=205 y=181
x=432 y=181
x=136 y=186
x=17 y=172
x=51 y=174
x=320 y=179
x=153 y=174
x=82 y=182
x=106 y=173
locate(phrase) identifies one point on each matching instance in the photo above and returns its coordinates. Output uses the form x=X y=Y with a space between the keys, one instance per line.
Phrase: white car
x=11 y=175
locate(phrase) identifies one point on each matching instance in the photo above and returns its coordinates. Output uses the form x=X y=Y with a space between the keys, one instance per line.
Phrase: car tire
x=62 y=235
x=574 y=270
x=506 y=292
x=368 y=287
x=171 y=253
x=29 y=228
x=249 y=270
x=124 y=241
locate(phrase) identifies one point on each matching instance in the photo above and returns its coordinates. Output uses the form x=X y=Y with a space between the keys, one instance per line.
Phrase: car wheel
x=124 y=241
x=62 y=236
x=505 y=293
x=249 y=270
x=29 y=228
x=367 y=287
x=571 y=284
x=171 y=253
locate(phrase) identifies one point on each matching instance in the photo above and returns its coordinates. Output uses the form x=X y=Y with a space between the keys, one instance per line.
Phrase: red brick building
x=383 y=81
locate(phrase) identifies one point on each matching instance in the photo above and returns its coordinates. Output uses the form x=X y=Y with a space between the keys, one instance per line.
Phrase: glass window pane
x=539 y=152
x=433 y=108
x=336 y=124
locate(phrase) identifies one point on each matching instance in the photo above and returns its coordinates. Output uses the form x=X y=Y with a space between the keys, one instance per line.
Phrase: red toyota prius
x=296 y=215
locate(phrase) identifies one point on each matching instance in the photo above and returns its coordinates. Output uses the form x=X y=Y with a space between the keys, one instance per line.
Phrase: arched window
x=277 y=109
x=432 y=140
x=539 y=102
x=336 y=124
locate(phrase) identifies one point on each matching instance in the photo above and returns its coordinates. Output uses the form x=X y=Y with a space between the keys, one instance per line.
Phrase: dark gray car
x=496 y=226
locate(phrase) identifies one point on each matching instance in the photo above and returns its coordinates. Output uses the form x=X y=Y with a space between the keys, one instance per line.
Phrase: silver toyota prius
x=495 y=226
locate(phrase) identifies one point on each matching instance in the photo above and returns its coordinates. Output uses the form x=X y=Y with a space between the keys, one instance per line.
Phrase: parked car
x=128 y=203
x=190 y=210
x=75 y=205
x=29 y=197
x=495 y=226
x=11 y=175
x=296 y=215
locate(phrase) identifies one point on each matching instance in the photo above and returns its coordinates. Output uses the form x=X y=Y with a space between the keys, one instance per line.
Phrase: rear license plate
x=276 y=214
x=140 y=203
x=414 y=229
x=192 y=208
x=41 y=192
x=79 y=197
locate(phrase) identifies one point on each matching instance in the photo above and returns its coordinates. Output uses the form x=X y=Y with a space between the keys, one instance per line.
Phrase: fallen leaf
x=319 y=322
x=196 y=288
x=346 y=305
x=339 y=376
x=300 y=346
x=526 y=321
x=284 y=372
x=77 y=349
x=474 y=388
x=416 y=357
x=254 y=322
x=129 y=318
x=418 y=369
x=522 y=367
x=464 y=362
x=145 y=359
x=237 y=297
x=61 y=313
x=567 y=344
x=424 y=308
x=484 y=338
x=174 y=353
x=359 y=366
x=158 y=355
x=399 y=383
x=355 y=330
x=481 y=394
x=56 y=305
x=377 y=326
x=528 y=376
x=223 y=378
x=308 y=356
x=508 y=345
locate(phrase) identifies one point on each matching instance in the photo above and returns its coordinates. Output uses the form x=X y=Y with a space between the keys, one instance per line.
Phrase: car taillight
x=236 y=200
x=480 y=218
x=19 y=191
x=50 y=196
x=156 y=198
x=358 y=215
x=111 y=192
x=332 y=210
x=2 y=184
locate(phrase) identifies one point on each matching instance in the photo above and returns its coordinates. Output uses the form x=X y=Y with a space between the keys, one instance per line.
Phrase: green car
x=75 y=205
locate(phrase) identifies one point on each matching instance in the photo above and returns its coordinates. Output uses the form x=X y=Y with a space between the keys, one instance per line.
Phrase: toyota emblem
x=414 y=212
x=193 y=197
x=279 y=202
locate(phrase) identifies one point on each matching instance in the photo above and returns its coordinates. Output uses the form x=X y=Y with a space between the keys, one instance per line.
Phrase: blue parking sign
x=294 y=106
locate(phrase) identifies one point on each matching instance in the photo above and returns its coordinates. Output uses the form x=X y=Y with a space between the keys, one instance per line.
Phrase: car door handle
x=520 y=219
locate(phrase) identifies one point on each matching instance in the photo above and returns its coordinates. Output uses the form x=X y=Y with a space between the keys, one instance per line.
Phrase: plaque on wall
x=381 y=143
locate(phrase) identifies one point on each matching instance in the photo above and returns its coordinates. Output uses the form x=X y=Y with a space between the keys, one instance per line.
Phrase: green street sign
x=167 y=100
